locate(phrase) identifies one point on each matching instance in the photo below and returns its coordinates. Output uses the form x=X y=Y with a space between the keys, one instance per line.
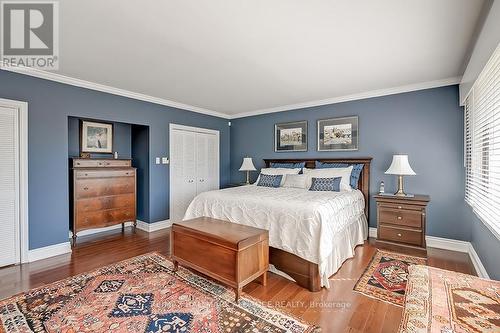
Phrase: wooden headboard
x=364 y=180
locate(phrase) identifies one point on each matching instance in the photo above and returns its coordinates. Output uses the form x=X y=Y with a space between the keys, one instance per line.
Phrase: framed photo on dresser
x=96 y=137
x=290 y=136
x=338 y=134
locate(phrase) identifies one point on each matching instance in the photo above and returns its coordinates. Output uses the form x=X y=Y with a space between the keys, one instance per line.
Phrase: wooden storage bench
x=231 y=253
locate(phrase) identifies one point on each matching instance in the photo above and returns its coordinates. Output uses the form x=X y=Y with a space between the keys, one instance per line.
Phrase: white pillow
x=345 y=173
x=296 y=181
x=279 y=171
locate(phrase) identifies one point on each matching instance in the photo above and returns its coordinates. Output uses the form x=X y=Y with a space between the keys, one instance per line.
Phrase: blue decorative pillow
x=288 y=165
x=355 y=173
x=325 y=184
x=269 y=180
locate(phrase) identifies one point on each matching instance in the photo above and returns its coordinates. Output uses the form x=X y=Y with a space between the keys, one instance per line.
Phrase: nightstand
x=401 y=220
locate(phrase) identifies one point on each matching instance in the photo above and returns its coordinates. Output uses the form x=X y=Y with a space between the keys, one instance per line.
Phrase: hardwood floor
x=338 y=309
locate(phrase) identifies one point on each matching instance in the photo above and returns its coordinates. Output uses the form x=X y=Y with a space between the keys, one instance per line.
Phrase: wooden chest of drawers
x=103 y=193
x=401 y=220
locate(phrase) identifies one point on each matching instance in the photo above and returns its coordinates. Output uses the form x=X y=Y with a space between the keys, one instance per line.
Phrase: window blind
x=482 y=145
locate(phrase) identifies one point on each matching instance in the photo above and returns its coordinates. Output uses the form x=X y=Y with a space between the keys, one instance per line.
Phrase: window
x=482 y=145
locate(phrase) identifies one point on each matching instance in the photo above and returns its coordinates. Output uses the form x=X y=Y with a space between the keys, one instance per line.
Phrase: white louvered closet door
x=9 y=187
x=194 y=167
x=183 y=172
x=207 y=162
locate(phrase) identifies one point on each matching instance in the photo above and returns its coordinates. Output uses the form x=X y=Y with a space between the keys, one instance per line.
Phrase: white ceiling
x=236 y=57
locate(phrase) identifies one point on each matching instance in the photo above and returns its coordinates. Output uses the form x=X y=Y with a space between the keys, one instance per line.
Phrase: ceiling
x=238 y=57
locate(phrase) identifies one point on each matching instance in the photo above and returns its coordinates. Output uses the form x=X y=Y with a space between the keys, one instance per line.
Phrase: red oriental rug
x=386 y=276
x=141 y=294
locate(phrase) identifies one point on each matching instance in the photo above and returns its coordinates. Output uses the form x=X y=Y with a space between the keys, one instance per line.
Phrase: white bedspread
x=299 y=221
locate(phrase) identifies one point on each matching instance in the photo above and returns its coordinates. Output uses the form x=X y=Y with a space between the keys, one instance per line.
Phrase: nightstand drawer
x=400 y=235
x=403 y=217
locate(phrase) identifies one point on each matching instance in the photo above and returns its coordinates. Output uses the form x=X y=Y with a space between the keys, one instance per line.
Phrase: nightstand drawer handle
x=423 y=214
x=399 y=207
x=399 y=217
x=399 y=235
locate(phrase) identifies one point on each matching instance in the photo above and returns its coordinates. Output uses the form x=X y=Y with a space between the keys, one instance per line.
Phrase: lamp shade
x=400 y=166
x=247 y=164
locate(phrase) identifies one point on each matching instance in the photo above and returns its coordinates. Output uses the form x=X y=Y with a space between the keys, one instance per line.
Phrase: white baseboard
x=49 y=251
x=476 y=261
x=96 y=231
x=150 y=227
x=452 y=245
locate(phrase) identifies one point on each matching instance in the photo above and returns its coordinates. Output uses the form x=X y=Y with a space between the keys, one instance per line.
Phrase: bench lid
x=227 y=233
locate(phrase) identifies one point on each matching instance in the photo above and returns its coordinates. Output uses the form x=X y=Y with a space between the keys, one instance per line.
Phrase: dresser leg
x=74 y=239
x=176 y=265
x=263 y=279
x=123 y=227
x=135 y=224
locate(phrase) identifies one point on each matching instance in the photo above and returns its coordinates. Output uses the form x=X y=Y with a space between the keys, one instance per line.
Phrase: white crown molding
x=108 y=89
x=155 y=226
x=99 y=230
x=452 y=245
x=353 y=97
x=49 y=251
x=160 y=101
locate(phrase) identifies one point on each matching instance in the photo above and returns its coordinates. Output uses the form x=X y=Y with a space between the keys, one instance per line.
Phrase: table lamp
x=400 y=167
x=247 y=166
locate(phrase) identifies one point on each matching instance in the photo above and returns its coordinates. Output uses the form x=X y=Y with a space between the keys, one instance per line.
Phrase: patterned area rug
x=386 y=275
x=141 y=294
x=440 y=301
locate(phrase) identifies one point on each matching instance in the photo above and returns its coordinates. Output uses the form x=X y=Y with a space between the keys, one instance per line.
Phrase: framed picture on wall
x=290 y=136
x=96 y=137
x=337 y=134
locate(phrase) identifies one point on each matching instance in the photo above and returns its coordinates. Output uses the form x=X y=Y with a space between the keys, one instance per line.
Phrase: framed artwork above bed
x=338 y=134
x=290 y=136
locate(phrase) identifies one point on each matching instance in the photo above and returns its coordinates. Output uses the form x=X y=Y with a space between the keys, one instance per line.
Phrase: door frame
x=172 y=127
x=22 y=109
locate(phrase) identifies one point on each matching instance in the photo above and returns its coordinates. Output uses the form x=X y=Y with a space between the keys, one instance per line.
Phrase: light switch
x=164 y=160
x=157 y=160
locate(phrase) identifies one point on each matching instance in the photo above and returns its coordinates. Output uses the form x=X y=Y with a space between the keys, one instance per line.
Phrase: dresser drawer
x=104 y=218
x=80 y=174
x=101 y=203
x=88 y=188
x=400 y=235
x=96 y=163
x=403 y=217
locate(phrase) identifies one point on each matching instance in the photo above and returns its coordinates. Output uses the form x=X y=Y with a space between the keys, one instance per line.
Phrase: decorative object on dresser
x=96 y=137
x=247 y=166
x=400 y=167
x=337 y=134
x=232 y=253
x=290 y=136
x=401 y=220
x=103 y=193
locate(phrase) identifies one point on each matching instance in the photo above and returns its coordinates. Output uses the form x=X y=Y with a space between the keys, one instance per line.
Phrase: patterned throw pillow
x=269 y=180
x=355 y=174
x=325 y=184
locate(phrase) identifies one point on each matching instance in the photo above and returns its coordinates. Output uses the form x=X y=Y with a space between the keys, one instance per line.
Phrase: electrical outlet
x=157 y=161
x=164 y=160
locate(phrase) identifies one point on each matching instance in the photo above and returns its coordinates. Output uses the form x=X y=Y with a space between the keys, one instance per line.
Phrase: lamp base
x=400 y=192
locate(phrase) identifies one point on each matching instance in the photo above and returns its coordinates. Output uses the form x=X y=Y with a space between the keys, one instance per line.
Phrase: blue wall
x=122 y=139
x=427 y=125
x=140 y=160
x=50 y=105
x=487 y=246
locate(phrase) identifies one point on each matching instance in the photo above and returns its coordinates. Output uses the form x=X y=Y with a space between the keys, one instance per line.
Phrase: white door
x=9 y=187
x=182 y=171
x=194 y=166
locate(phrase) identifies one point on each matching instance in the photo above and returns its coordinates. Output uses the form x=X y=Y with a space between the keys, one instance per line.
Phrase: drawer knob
x=399 y=207
x=423 y=214
x=399 y=235
x=399 y=217
x=85 y=188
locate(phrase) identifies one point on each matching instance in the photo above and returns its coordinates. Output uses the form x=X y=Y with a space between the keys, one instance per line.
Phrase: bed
x=310 y=233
